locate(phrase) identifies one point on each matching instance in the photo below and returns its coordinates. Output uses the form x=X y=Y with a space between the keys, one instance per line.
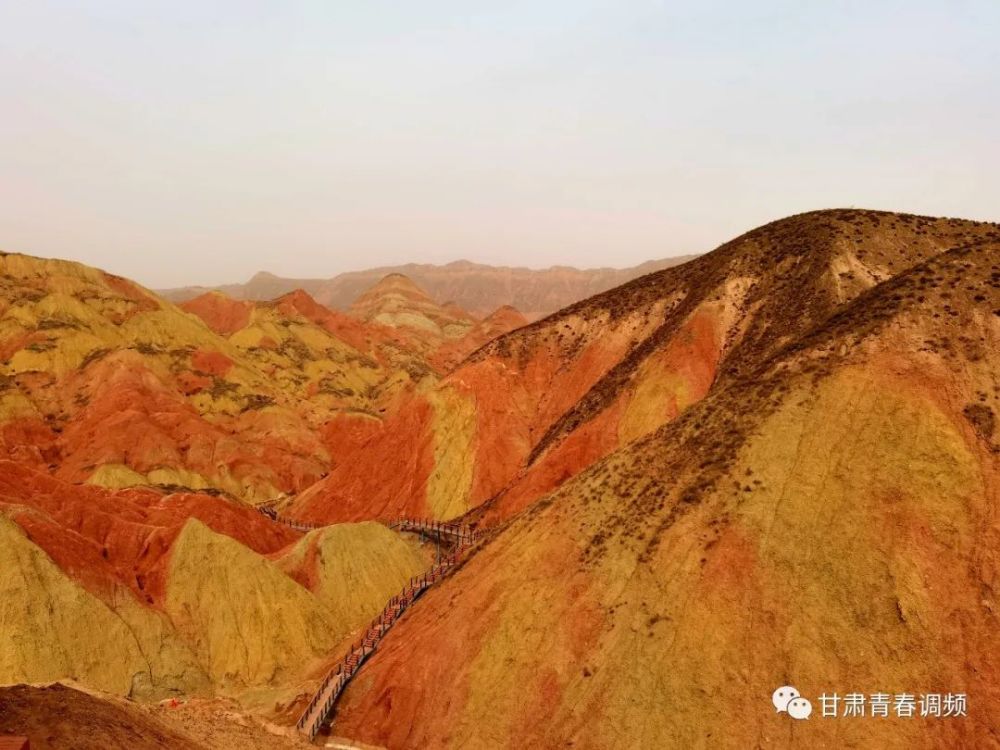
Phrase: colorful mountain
x=822 y=514
x=134 y=440
x=190 y=594
x=534 y=407
x=106 y=383
x=476 y=288
x=776 y=464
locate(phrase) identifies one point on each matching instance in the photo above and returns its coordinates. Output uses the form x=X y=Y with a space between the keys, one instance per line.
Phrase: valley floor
x=56 y=717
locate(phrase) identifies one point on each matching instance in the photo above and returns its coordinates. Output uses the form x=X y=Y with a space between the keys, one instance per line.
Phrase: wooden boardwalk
x=318 y=712
x=458 y=537
x=271 y=513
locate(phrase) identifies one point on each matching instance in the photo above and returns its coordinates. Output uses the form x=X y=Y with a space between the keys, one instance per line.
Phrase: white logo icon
x=783 y=696
x=786 y=698
x=799 y=708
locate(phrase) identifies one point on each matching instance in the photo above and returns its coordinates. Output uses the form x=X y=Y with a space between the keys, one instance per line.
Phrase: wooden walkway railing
x=317 y=713
x=271 y=513
x=442 y=529
x=462 y=535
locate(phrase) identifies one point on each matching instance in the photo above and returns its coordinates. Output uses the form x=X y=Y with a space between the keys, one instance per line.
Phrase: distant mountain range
x=477 y=288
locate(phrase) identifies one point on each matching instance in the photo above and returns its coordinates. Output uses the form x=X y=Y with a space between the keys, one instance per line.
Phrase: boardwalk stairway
x=440 y=531
x=271 y=513
x=318 y=712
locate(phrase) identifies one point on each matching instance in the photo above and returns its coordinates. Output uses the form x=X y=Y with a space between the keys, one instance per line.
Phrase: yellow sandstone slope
x=51 y=628
x=256 y=623
x=354 y=569
x=249 y=623
x=232 y=622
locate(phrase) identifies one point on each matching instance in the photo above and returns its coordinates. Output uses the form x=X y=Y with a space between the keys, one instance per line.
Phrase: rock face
x=252 y=624
x=353 y=569
x=222 y=314
x=54 y=629
x=256 y=622
x=476 y=288
x=824 y=515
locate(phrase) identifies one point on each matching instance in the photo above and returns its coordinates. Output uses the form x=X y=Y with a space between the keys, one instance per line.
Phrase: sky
x=200 y=142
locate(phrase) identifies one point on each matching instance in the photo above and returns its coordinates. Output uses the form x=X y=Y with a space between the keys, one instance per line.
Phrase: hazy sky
x=198 y=142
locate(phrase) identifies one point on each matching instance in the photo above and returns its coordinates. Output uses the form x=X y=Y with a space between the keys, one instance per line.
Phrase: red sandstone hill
x=56 y=717
x=823 y=513
x=394 y=322
x=476 y=288
x=103 y=382
x=135 y=439
x=534 y=407
x=501 y=321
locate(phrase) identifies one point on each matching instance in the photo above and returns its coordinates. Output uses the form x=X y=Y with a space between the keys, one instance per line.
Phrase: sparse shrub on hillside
x=28 y=294
x=331 y=387
x=295 y=350
x=93 y=356
x=417 y=370
x=361 y=360
x=50 y=324
x=982 y=419
x=41 y=346
x=221 y=388
x=257 y=401
x=146 y=348
x=178 y=488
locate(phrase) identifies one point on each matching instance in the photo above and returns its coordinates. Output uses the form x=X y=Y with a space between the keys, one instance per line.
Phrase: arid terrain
x=474 y=287
x=777 y=463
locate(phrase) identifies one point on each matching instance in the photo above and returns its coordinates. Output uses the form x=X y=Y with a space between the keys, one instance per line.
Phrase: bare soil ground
x=60 y=717
x=57 y=717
